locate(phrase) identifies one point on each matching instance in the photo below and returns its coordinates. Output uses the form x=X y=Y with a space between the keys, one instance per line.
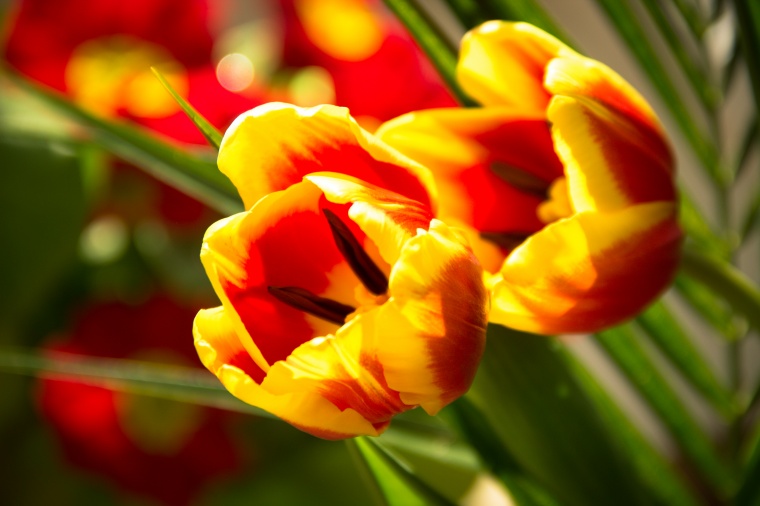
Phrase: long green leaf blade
x=473 y=426
x=209 y=131
x=697 y=75
x=705 y=304
x=470 y=13
x=651 y=466
x=749 y=141
x=693 y=221
x=621 y=345
x=529 y=11
x=395 y=482
x=539 y=411
x=748 y=20
x=185 y=384
x=692 y=16
x=727 y=281
x=749 y=492
x=196 y=176
x=441 y=51
x=664 y=331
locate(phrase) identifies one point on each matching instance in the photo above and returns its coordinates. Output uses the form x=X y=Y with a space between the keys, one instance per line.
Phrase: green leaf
x=749 y=141
x=706 y=305
x=209 y=131
x=692 y=16
x=185 y=384
x=621 y=344
x=697 y=229
x=748 y=20
x=749 y=493
x=529 y=11
x=541 y=414
x=441 y=51
x=753 y=215
x=695 y=71
x=198 y=176
x=664 y=331
x=471 y=423
x=657 y=473
x=395 y=483
x=630 y=29
x=725 y=280
x=470 y=13
x=43 y=199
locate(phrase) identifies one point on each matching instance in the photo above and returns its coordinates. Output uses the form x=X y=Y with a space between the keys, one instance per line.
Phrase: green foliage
x=196 y=174
x=43 y=194
x=396 y=482
x=539 y=412
x=209 y=131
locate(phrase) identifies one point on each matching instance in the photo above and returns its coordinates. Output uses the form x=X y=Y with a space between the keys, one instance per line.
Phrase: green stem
x=727 y=281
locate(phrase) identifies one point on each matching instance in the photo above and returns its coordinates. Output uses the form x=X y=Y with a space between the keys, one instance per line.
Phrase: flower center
x=372 y=293
x=557 y=205
x=112 y=74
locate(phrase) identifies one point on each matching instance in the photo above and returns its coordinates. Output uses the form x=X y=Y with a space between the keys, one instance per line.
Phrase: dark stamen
x=506 y=240
x=365 y=269
x=522 y=180
x=304 y=300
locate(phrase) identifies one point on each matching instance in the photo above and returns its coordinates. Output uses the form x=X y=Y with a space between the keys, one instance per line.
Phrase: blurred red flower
x=99 y=52
x=165 y=450
x=376 y=67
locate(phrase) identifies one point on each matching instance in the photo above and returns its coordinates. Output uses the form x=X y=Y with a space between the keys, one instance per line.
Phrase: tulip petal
x=283 y=241
x=341 y=369
x=610 y=163
x=215 y=338
x=429 y=335
x=218 y=345
x=274 y=145
x=589 y=271
x=388 y=219
x=582 y=77
x=432 y=328
x=502 y=63
x=461 y=147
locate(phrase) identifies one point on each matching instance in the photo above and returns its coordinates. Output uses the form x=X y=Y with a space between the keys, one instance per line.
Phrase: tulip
x=563 y=178
x=167 y=452
x=344 y=303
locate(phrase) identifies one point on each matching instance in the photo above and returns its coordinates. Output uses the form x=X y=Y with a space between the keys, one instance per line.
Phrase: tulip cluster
x=359 y=280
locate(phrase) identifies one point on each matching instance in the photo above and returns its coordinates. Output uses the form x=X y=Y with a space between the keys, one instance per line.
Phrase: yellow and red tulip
x=564 y=178
x=344 y=303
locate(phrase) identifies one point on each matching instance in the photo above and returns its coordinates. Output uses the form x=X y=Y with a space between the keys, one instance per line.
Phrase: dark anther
x=521 y=180
x=508 y=241
x=365 y=269
x=304 y=300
